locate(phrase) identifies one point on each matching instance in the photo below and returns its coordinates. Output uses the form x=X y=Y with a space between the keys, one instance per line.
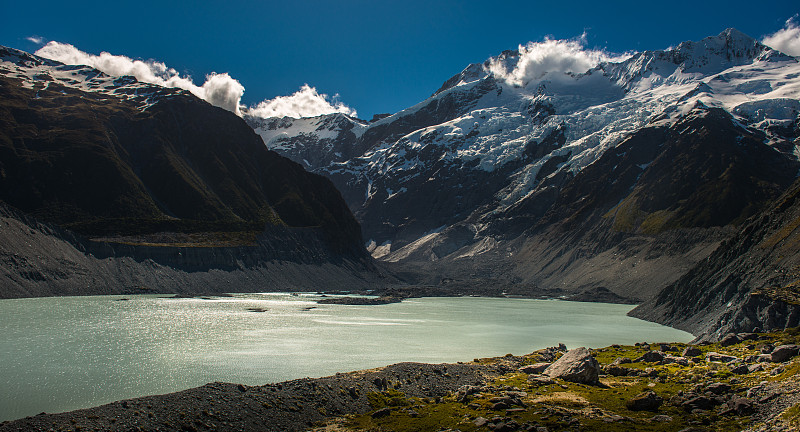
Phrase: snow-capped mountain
x=492 y=155
x=111 y=157
x=38 y=73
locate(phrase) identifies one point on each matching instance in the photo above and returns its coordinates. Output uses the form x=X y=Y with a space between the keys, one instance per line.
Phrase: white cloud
x=536 y=59
x=306 y=102
x=35 y=39
x=787 y=39
x=219 y=89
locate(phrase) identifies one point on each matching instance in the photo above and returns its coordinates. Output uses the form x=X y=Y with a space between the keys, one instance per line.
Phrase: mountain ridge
x=117 y=161
x=631 y=171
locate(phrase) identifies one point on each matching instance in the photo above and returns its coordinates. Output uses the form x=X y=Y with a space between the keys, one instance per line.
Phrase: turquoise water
x=64 y=353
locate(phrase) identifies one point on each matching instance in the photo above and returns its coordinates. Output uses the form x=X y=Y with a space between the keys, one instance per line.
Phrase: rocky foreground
x=744 y=382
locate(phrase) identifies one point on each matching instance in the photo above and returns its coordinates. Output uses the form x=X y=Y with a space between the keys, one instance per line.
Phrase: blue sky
x=379 y=56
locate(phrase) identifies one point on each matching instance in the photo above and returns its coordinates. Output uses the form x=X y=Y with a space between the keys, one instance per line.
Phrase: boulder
x=699 y=403
x=505 y=425
x=717 y=357
x=621 y=360
x=465 y=392
x=647 y=401
x=691 y=351
x=535 y=368
x=683 y=361
x=729 y=339
x=667 y=347
x=615 y=370
x=739 y=405
x=577 y=366
x=651 y=357
x=718 y=388
x=480 y=421
x=741 y=369
x=783 y=353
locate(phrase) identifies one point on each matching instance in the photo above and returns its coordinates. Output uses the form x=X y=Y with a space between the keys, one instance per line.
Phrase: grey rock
x=784 y=353
x=683 y=361
x=717 y=357
x=691 y=351
x=621 y=360
x=497 y=406
x=741 y=369
x=739 y=405
x=699 y=403
x=661 y=418
x=651 y=357
x=729 y=339
x=615 y=370
x=718 y=388
x=647 y=401
x=535 y=368
x=750 y=359
x=576 y=365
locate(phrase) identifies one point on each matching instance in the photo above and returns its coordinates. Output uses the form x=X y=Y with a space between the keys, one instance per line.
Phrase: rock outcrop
x=576 y=365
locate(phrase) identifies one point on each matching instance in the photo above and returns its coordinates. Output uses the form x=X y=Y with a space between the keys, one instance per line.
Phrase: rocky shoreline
x=744 y=382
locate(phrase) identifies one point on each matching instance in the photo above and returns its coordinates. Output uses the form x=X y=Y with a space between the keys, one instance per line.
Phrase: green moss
x=655 y=222
x=792 y=415
x=626 y=215
x=519 y=380
x=571 y=406
x=789 y=371
x=387 y=398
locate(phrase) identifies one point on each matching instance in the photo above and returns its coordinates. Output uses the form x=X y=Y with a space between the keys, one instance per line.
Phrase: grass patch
x=792 y=415
x=570 y=406
x=388 y=398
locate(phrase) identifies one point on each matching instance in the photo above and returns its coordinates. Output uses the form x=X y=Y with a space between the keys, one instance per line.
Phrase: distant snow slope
x=33 y=69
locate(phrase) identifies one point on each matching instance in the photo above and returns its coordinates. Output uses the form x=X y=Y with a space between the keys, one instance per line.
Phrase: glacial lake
x=60 y=354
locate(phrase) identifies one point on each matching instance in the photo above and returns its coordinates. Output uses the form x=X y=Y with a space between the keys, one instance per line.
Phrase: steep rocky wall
x=750 y=281
x=38 y=259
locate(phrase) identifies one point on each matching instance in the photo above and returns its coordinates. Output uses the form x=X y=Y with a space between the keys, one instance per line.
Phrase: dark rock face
x=41 y=259
x=747 y=283
x=577 y=365
x=102 y=166
x=109 y=167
